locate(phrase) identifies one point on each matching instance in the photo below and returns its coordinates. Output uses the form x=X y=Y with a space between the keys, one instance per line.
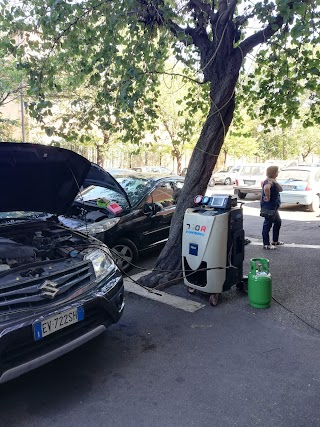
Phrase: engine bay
x=22 y=243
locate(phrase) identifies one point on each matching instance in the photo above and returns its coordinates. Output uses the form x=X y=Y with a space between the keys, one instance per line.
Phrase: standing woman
x=270 y=199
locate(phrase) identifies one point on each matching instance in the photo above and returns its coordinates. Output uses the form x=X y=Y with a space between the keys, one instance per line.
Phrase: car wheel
x=227 y=181
x=125 y=254
x=212 y=182
x=314 y=206
x=240 y=194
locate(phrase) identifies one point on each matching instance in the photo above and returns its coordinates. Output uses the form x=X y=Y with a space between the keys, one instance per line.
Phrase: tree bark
x=100 y=155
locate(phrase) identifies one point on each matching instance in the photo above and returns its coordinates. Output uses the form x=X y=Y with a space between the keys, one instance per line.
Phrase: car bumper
x=297 y=198
x=20 y=352
x=244 y=189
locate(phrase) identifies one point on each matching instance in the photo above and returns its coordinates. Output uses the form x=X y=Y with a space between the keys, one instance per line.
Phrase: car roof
x=299 y=168
x=147 y=175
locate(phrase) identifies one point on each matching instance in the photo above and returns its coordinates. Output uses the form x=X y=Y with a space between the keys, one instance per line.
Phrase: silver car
x=250 y=179
x=301 y=186
x=225 y=176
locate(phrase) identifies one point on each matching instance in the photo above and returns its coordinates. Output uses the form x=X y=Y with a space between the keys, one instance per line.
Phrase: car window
x=135 y=187
x=166 y=193
x=162 y=194
x=253 y=170
x=93 y=193
x=294 y=174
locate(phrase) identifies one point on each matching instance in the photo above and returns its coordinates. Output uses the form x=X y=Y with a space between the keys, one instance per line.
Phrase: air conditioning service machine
x=213 y=245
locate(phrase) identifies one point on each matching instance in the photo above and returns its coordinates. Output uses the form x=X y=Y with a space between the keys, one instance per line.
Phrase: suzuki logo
x=49 y=289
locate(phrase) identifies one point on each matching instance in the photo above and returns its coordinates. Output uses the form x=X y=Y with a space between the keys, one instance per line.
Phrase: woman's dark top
x=274 y=202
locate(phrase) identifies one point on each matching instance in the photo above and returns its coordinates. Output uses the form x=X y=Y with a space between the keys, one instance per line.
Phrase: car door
x=163 y=198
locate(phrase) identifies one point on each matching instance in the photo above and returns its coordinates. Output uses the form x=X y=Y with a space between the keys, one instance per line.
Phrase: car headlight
x=101 y=262
x=99 y=227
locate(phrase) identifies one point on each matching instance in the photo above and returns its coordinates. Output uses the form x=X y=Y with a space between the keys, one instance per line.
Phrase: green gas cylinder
x=259 y=283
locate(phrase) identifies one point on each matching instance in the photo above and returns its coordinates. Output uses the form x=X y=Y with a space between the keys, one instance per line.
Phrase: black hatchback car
x=59 y=288
x=141 y=218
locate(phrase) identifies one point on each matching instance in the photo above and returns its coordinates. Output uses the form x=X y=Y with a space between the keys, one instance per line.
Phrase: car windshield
x=294 y=175
x=135 y=187
x=253 y=170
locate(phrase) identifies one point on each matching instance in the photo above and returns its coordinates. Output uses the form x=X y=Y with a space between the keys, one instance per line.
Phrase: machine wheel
x=127 y=254
x=213 y=299
x=314 y=206
x=227 y=181
x=191 y=290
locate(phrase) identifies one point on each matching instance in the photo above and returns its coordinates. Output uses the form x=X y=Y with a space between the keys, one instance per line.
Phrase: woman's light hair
x=272 y=171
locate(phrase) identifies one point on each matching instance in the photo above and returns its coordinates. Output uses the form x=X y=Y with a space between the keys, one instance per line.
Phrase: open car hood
x=42 y=178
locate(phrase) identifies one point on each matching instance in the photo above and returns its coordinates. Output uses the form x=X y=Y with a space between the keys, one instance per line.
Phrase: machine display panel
x=219 y=201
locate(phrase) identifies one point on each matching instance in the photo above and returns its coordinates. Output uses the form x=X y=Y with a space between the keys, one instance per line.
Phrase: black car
x=59 y=288
x=141 y=221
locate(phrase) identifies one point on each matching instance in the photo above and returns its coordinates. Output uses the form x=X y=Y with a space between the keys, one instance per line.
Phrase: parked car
x=225 y=176
x=153 y=169
x=301 y=186
x=250 y=179
x=142 y=220
x=59 y=288
x=184 y=172
x=115 y=171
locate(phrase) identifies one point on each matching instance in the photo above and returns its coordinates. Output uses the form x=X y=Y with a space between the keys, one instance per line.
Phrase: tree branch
x=261 y=36
x=222 y=6
x=204 y=7
x=230 y=11
x=192 y=32
x=178 y=75
x=240 y=20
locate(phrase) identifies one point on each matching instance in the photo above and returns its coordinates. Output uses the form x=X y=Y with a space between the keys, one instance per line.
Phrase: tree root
x=160 y=280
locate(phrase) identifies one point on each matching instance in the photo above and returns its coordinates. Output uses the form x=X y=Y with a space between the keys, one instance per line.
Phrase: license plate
x=57 y=322
x=288 y=187
x=249 y=182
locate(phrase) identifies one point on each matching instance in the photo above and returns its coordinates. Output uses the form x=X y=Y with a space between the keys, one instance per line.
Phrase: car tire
x=314 y=206
x=227 y=181
x=128 y=254
x=240 y=194
x=212 y=182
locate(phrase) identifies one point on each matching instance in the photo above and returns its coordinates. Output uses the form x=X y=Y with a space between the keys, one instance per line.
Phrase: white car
x=153 y=169
x=250 y=179
x=225 y=176
x=301 y=186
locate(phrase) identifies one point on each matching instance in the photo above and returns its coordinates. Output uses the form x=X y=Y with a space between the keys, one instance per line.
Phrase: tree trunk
x=220 y=64
x=100 y=155
x=200 y=168
x=178 y=156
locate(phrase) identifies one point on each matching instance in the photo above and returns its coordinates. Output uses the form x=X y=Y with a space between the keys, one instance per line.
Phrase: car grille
x=23 y=347
x=28 y=293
